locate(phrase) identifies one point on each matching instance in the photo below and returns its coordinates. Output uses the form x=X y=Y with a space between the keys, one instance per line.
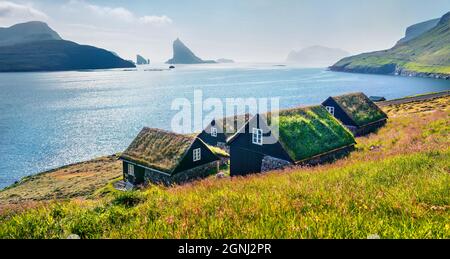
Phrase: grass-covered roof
x=158 y=149
x=310 y=131
x=360 y=108
x=218 y=152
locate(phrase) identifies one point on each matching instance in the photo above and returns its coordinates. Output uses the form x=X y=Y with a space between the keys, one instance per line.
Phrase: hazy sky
x=244 y=30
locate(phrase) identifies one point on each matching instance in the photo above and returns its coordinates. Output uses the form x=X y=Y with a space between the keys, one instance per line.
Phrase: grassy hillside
x=428 y=53
x=396 y=185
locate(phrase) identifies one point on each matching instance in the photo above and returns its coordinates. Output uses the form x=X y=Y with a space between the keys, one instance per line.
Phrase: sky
x=243 y=30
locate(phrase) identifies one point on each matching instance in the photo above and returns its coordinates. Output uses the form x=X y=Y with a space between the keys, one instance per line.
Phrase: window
x=214 y=132
x=330 y=109
x=257 y=136
x=131 y=169
x=197 y=154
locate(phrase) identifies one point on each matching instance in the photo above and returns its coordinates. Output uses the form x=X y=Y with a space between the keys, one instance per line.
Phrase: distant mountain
x=57 y=55
x=27 y=32
x=34 y=46
x=183 y=55
x=427 y=55
x=317 y=56
x=224 y=60
x=140 y=60
x=416 y=30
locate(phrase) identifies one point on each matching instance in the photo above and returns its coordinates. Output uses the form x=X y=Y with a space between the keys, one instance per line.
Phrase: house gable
x=339 y=113
x=302 y=133
x=187 y=162
x=243 y=140
x=207 y=137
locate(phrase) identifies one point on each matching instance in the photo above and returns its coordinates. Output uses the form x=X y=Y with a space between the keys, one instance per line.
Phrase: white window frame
x=330 y=109
x=214 y=132
x=131 y=169
x=257 y=136
x=197 y=154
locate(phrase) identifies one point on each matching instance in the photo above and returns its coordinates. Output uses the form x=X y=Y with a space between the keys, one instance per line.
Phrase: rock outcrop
x=140 y=60
x=183 y=55
x=224 y=60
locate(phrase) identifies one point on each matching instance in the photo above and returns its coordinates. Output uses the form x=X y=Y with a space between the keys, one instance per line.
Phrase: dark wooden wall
x=246 y=157
x=210 y=140
x=139 y=173
x=339 y=113
x=188 y=162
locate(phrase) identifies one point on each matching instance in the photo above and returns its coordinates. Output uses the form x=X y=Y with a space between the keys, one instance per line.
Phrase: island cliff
x=34 y=46
x=183 y=55
x=423 y=55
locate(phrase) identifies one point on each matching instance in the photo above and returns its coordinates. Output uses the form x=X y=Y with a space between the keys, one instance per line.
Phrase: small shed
x=300 y=136
x=219 y=130
x=163 y=157
x=357 y=112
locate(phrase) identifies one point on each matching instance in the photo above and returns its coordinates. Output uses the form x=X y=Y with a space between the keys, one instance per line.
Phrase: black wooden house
x=299 y=136
x=158 y=156
x=357 y=112
x=218 y=131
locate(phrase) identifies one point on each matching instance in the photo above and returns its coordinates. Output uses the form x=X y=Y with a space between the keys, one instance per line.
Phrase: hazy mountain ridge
x=316 y=56
x=427 y=55
x=27 y=32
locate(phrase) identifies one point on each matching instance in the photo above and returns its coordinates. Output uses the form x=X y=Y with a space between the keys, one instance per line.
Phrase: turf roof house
x=308 y=135
x=357 y=112
x=219 y=130
x=158 y=156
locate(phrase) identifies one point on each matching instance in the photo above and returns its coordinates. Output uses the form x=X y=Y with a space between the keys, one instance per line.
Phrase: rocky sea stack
x=183 y=55
x=140 y=60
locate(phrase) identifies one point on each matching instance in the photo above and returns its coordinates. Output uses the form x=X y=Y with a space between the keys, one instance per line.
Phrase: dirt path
x=414 y=99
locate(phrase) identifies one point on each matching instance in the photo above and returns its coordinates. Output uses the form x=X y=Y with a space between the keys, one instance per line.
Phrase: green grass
x=311 y=131
x=395 y=185
x=403 y=197
x=428 y=53
x=218 y=151
x=360 y=108
x=416 y=67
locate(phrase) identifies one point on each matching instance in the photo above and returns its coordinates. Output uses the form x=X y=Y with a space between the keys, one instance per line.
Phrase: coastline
x=388 y=71
x=83 y=180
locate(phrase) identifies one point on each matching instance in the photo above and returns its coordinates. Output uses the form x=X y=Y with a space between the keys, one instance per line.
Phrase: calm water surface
x=52 y=119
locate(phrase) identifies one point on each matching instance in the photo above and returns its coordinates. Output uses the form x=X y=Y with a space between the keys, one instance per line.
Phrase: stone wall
x=270 y=163
x=196 y=173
